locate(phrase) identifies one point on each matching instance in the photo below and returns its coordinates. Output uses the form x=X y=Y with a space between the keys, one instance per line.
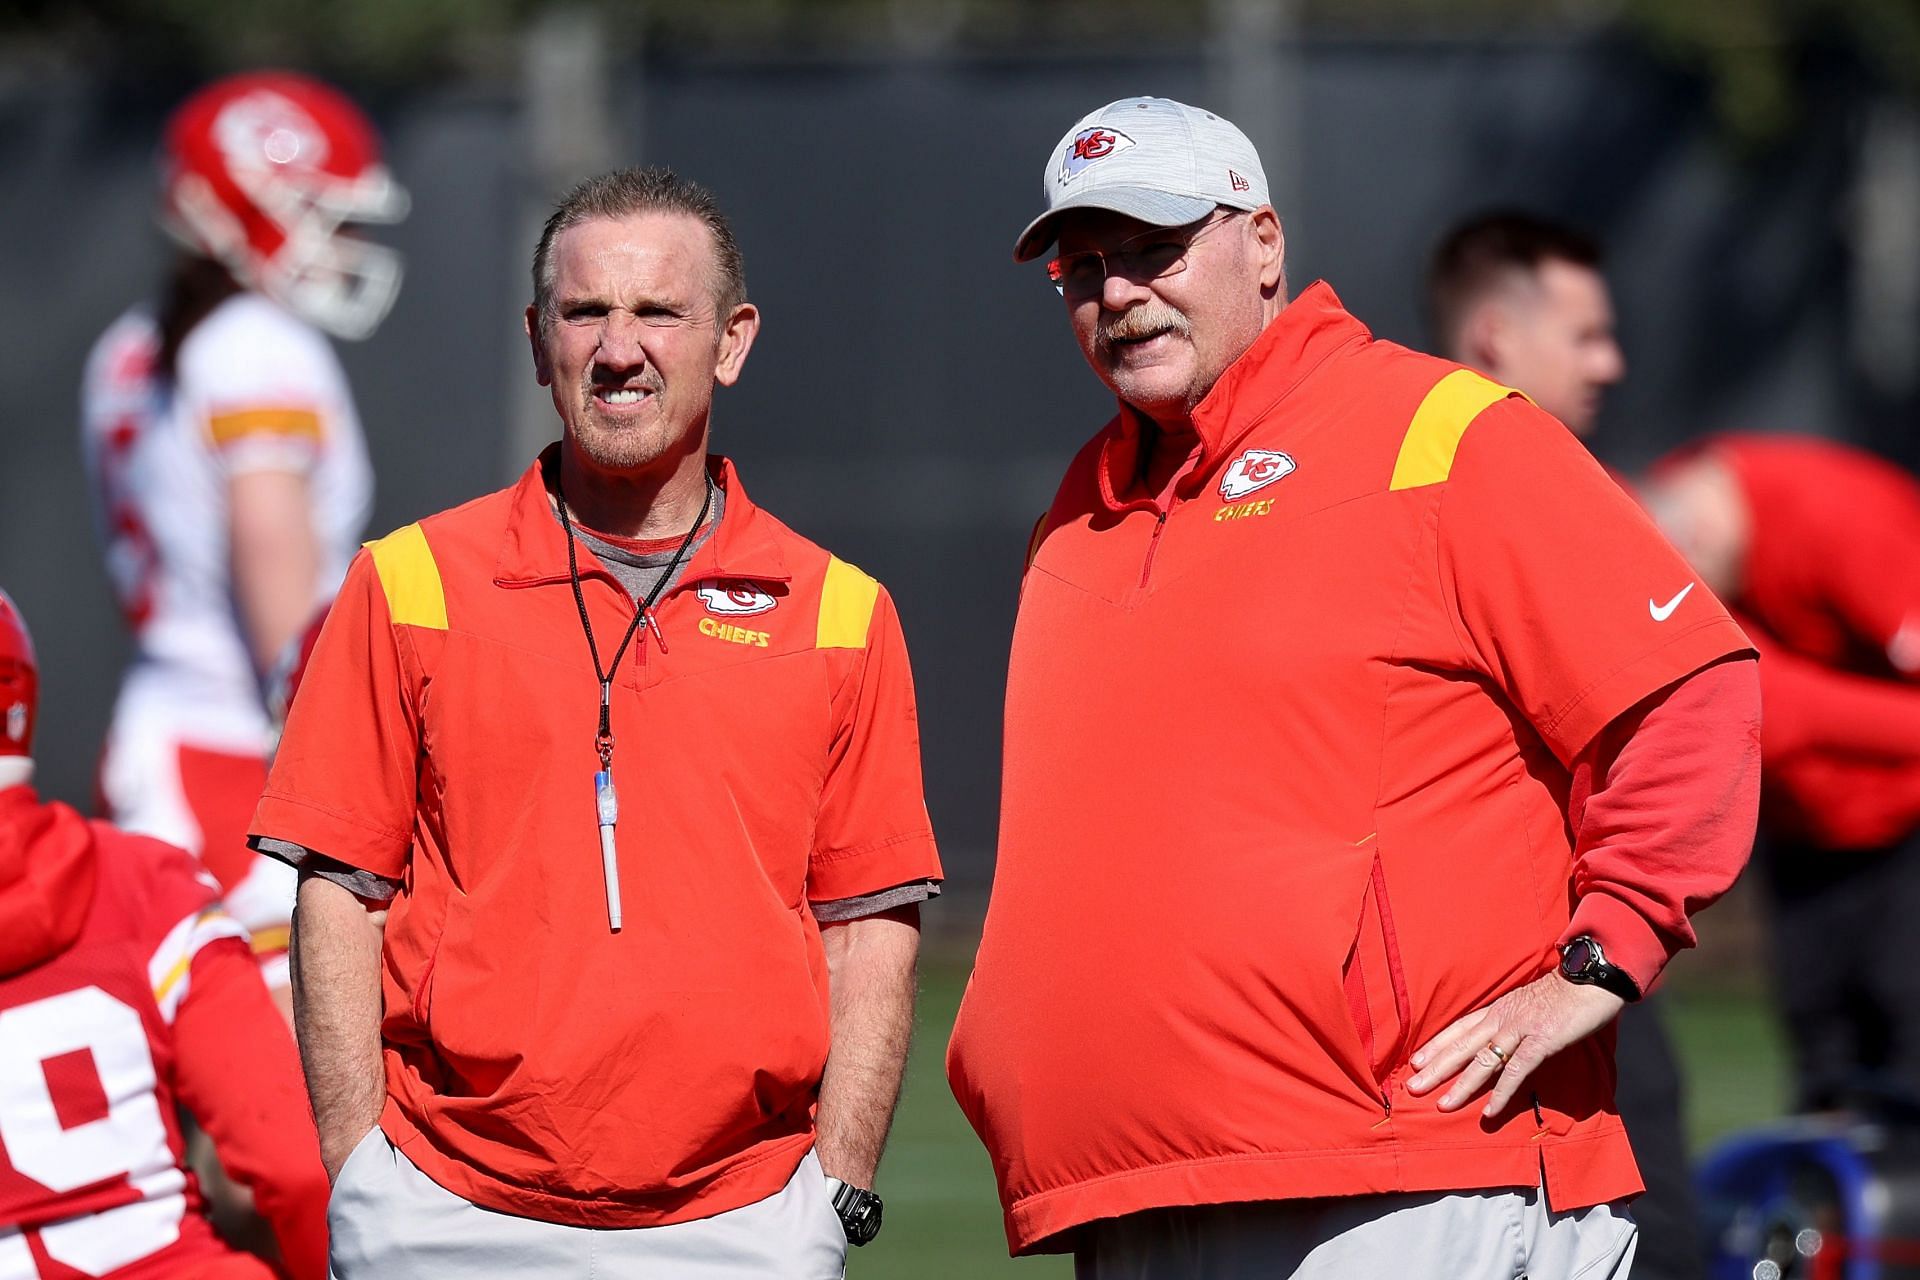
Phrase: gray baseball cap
x=1154 y=159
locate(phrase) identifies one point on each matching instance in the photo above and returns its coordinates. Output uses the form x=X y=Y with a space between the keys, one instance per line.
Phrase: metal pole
x=1254 y=72
x=569 y=135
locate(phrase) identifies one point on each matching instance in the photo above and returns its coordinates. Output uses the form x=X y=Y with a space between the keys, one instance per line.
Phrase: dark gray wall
x=914 y=394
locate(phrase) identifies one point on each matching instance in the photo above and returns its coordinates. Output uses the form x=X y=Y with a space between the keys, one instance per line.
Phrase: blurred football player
x=230 y=476
x=1816 y=545
x=127 y=992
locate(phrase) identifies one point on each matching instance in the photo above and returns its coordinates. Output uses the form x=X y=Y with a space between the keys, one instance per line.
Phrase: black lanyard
x=606 y=804
x=603 y=739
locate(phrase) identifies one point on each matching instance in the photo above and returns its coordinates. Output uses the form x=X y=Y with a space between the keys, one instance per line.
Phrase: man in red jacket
x=1817 y=546
x=1366 y=750
x=126 y=992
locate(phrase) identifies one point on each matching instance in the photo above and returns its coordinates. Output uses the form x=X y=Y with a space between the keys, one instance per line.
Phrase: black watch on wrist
x=1583 y=961
x=859 y=1211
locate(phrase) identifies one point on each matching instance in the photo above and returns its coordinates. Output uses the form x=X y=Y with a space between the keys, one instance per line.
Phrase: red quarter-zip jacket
x=1288 y=755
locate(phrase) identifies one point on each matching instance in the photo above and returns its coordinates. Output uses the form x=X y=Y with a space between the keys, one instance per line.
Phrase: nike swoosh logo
x=1661 y=612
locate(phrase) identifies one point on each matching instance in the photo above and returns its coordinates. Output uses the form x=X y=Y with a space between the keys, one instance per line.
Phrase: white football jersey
x=254 y=388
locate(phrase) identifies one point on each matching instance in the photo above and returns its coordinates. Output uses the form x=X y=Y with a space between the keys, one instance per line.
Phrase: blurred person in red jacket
x=1816 y=546
x=1524 y=300
x=126 y=994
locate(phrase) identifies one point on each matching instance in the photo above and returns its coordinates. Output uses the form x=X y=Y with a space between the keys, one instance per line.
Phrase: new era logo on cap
x=1090 y=145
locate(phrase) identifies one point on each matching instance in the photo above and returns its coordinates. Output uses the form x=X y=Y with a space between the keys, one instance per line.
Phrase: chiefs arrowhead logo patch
x=733 y=598
x=1254 y=469
x=1089 y=145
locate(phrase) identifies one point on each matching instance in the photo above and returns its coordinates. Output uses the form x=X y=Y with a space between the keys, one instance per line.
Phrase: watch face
x=1578 y=959
x=862 y=1220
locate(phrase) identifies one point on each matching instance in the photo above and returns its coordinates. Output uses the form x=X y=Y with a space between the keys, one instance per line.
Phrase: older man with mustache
x=1355 y=777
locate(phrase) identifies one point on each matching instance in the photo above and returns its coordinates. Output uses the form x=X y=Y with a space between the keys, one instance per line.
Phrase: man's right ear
x=542 y=369
x=1483 y=339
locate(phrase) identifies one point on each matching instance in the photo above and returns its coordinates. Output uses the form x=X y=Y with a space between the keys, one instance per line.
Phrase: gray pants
x=1491 y=1235
x=389 y=1221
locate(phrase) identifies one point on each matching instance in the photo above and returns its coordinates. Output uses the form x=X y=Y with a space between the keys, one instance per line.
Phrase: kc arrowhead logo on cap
x=1089 y=145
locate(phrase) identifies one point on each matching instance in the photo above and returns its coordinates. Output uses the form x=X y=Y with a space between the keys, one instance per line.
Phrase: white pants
x=1488 y=1235
x=389 y=1221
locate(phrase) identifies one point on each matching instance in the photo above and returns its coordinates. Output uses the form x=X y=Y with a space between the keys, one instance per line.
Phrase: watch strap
x=858 y=1209
x=1597 y=971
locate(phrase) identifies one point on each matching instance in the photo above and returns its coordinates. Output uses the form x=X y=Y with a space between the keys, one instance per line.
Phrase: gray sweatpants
x=389 y=1221
x=1491 y=1235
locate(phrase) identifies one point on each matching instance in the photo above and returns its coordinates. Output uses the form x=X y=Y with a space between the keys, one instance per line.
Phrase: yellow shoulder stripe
x=183 y=937
x=1426 y=452
x=271 y=939
x=846 y=606
x=225 y=428
x=410 y=578
x=171 y=979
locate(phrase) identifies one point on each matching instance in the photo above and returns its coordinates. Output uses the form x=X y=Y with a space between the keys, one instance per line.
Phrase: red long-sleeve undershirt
x=1663 y=805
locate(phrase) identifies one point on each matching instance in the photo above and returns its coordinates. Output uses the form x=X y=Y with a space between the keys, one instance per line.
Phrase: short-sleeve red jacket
x=767 y=755
x=1287 y=761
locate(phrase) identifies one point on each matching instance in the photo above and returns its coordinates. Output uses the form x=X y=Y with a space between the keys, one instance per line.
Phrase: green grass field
x=943 y=1218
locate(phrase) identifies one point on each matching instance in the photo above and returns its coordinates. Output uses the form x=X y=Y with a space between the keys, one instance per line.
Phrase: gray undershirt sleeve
x=840 y=910
x=308 y=862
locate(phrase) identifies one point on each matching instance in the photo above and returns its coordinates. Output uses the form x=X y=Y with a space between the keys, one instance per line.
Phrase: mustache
x=1141 y=322
x=606 y=380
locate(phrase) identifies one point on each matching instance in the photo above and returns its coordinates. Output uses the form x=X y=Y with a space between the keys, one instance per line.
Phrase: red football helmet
x=259 y=172
x=19 y=682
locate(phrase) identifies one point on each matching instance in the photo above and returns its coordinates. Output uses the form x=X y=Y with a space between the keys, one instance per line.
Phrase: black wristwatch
x=1583 y=961
x=859 y=1211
